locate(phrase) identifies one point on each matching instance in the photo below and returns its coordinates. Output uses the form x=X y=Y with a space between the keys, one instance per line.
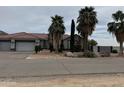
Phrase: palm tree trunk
x=82 y=41
x=54 y=42
x=59 y=36
x=85 y=43
x=121 y=48
x=57 y=42
x=60 y=43
x=50 y=42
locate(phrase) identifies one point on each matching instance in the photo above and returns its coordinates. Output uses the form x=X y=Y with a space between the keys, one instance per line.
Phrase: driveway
x=15 y=65
x=14 y=55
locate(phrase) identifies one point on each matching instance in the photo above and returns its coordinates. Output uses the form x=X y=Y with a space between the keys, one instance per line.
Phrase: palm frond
x=87 y=20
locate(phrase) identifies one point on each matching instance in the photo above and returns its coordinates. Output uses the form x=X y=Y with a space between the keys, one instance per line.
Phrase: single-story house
x=22 y=41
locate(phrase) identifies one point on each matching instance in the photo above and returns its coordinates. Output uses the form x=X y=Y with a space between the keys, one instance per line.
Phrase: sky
x=37 y=19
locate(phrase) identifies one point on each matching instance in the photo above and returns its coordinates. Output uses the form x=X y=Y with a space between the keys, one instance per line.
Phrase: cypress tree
x=72 y=36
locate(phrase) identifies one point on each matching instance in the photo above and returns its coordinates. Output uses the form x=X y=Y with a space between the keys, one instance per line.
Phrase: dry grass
x=45 y=54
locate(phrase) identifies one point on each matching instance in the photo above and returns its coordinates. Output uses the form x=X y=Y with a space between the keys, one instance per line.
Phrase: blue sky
x=36 y=19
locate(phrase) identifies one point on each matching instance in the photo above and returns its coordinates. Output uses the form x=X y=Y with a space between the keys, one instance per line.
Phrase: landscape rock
x=78 y=54
x=69 y=54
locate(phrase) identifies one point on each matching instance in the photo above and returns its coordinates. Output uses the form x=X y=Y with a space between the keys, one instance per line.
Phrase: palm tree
x=117 y=28
x=56 y=31
x=86 y=24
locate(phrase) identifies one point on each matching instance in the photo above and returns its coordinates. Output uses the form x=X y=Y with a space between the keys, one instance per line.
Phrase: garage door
x=25 y=46
x=4 y=46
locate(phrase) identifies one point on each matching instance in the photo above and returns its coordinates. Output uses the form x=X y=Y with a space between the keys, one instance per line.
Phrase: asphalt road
x=15 y=65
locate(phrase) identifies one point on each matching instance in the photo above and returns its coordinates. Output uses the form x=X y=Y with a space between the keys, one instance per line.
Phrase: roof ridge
x=32 y=35
x=19 y=34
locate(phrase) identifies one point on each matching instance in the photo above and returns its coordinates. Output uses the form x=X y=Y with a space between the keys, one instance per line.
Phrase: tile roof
x=26 y=36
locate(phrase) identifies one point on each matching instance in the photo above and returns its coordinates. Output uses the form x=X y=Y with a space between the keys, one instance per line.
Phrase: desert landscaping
x=91 y=80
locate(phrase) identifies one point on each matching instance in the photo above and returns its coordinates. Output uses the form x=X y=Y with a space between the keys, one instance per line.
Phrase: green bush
x=114 y=51
x=89 y=54
x=36 y=49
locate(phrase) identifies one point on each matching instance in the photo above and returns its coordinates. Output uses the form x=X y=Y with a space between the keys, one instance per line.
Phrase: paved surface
x=15 y=65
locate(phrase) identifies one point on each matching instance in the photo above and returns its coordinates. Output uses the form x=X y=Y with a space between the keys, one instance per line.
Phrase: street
x=15 y=65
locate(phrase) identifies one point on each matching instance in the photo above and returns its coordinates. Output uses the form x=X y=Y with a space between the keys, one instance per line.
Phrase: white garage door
x=4 y=46
x=25 y=46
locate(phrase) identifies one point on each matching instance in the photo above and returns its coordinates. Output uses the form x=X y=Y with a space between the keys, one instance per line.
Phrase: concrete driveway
x=14 y=55
x=15 y=65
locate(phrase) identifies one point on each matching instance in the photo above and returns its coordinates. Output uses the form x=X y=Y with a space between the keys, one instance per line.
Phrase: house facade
x=23 y=41
x=26 y=41
x=77 y=42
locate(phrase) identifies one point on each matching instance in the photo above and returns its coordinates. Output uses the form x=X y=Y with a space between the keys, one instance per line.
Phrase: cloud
x=37 y=19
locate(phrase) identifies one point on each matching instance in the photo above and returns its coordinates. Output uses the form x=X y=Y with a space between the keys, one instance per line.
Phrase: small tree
x=92 y=42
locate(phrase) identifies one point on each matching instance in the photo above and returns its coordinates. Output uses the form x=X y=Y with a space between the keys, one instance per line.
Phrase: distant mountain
x=3 y=33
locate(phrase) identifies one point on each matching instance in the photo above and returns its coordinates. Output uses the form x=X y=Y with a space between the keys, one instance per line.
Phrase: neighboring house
x=22 y=41
x=102 y=49
x=66 y=41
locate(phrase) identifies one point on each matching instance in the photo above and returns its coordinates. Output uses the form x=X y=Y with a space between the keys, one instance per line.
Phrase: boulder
x=69 y=54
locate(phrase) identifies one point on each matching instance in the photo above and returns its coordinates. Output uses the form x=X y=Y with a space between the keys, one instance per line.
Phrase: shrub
x=36 y=49
x=114 y=51
x=89 y=54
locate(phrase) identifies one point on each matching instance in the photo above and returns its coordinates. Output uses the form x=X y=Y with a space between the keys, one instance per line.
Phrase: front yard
x=50 y=69
x=93 y=80
x=45 y=54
